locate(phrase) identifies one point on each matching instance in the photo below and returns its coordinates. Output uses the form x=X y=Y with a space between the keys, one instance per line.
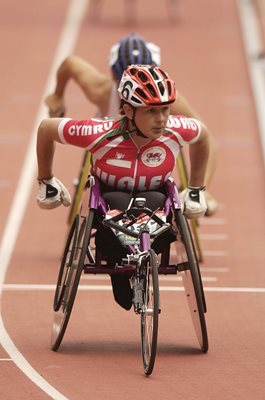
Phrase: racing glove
x=193 y=202
x=52 y=193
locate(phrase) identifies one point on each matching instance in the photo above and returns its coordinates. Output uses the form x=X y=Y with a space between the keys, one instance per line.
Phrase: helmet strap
x=137 y=130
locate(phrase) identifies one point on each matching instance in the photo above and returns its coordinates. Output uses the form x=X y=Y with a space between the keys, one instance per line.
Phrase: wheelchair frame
x=81 y=182
x=141 y=264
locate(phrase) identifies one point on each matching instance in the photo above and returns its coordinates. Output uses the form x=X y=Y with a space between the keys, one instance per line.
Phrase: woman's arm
x=95 y=85
x=182 y=107
x=193 y=197
x=52 y=193
x=46 y=139
x=199 y=155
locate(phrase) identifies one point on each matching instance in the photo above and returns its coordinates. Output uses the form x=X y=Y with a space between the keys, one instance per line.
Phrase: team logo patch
x=119 y=156
x=154 y=157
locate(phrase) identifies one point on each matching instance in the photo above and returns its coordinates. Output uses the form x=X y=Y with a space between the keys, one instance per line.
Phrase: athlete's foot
x=122 y=290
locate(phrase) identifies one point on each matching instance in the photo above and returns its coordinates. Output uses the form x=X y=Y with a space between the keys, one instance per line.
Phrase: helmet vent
x=163 y=73
x=161 y=88
x=141 y=93
x=153 y=73
x=151 y=90
x=169 y=88
x=133 y=71
x=136 y=100
x=142 y=76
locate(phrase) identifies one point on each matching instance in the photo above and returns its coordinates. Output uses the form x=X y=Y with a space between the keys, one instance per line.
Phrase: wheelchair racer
x=101 y=90
x=133 y=154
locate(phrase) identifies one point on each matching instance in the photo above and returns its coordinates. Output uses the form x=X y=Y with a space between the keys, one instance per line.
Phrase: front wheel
x=150 y=312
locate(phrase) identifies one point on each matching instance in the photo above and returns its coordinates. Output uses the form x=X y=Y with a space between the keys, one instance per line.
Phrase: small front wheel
x=150 y=312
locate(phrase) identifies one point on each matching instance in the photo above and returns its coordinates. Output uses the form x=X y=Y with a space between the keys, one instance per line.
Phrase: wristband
x=44 y=179
x=197 y=187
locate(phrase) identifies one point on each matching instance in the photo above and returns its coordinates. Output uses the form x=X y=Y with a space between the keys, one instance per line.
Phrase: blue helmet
x=131 y=50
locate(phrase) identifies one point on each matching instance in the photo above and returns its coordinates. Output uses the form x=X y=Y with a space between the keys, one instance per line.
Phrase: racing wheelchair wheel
x=72 y=264
x=192 y=282
x=150 y=312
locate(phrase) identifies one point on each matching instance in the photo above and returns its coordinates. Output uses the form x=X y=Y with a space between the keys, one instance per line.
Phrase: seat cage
x=122 y=223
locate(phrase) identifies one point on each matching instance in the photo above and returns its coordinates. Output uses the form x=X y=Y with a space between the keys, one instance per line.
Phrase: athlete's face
x=152 y=120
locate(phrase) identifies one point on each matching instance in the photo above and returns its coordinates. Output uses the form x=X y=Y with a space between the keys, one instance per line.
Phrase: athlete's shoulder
x=183 y=129
x=92 y=125
x=180 y=122
x=69 y=129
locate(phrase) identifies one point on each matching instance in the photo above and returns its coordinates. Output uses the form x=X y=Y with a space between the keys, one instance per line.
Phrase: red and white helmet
x=146 y=85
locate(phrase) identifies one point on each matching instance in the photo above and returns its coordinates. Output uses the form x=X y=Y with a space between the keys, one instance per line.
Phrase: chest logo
x=119 y=156
x=154 y=156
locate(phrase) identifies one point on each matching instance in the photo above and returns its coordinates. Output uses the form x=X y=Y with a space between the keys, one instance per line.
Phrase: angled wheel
x=192 y=281
x=66 y=265
x=150 y=312
x=72 y=264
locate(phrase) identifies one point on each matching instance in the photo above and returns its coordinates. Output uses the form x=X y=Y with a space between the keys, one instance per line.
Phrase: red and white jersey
x=118 y=161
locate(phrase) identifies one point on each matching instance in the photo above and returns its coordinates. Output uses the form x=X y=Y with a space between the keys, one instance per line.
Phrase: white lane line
x=216 y=289
x=213 y=269
x=25 y=367
x=23 y=288
x=254 y=49
x=106 y=277
x=213 y=236
x=68 y=38
x=214 y=253
x=172 y=278
x=212 y=221
x=162 y=278
x=235 y=289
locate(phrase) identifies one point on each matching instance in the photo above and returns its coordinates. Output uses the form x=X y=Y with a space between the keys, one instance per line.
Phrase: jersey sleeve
x=84 y=133
x=187 y=130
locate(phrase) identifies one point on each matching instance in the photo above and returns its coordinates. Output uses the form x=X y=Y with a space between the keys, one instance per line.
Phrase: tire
x=69 y=276
x=194 y=227
x=192 y=282
x=150 y=313
x=65 y=267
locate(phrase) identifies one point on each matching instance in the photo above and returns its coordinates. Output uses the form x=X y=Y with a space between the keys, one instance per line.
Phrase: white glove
x=52 y=193
x=193 y=202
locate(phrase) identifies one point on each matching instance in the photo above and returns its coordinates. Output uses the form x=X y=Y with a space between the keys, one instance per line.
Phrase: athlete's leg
x=113 y=250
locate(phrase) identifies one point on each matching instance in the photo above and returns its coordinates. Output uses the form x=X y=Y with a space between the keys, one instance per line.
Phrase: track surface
x=100 y=355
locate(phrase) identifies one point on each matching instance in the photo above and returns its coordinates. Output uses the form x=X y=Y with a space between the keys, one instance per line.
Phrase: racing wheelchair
x=138 y=229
